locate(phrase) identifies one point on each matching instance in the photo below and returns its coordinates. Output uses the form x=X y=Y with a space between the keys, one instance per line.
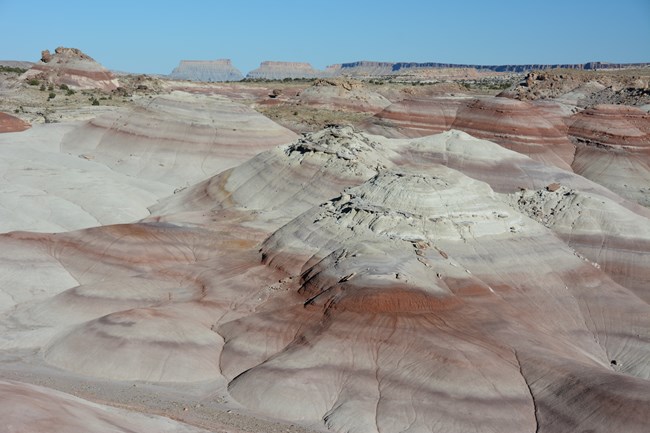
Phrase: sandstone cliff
x=280 y=70
x=368 y=68
x=206 y=71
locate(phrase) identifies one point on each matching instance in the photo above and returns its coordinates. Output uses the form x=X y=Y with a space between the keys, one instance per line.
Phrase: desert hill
x=422 y=258
x=303 y=291
x=72 y=67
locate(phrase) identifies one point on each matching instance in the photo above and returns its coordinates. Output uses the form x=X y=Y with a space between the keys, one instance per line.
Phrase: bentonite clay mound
x=606 y=143
x=343 y=94
x=9 y=123
x=358 y=283
x=613 y=149
x=538 y=132
x=112 y=168
x=73 y=68
x=416 y=117
x=178 y=139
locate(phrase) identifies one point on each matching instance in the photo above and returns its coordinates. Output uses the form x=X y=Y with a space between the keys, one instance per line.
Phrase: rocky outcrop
x=270 y=70
x=206 y=71
x=584 y=89
x=70 y=66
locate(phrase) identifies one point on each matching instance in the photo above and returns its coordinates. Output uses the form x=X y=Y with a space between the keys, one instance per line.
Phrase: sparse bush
x=64 y=87
x=12 y=70
x=52 y=95
x=33 y=82
x=70 y=92
x=95 y=102
x=50 y=87
x=42 y=88
x=16 y=111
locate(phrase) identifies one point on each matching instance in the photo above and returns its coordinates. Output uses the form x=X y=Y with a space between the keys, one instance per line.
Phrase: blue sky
x=153 y=36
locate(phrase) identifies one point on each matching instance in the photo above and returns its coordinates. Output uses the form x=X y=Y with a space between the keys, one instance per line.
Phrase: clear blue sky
x=152 y=36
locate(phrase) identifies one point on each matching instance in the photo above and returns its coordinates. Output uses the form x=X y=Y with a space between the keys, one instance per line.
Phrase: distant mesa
x=280 y=70
x=369 y=68
x=271 y=70
x=70 y=66
x=206 y=71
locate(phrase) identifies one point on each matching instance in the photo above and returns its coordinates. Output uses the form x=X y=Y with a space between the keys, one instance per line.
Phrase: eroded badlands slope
x=110 y=169
x=605 y=143
x=358 y=283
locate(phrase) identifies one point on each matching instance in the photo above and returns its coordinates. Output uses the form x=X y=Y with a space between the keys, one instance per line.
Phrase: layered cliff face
x=361 y=68
x=206 y=71
x=73 y=68
x=369 y=68
x=270 y=70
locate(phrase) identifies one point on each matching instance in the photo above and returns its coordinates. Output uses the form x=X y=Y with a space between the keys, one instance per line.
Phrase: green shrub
x=64 y=87
x=70 y=92
x=12 y=69
x=33 y=82
x=52 y=95
x=95 y=102
x=42 y=88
